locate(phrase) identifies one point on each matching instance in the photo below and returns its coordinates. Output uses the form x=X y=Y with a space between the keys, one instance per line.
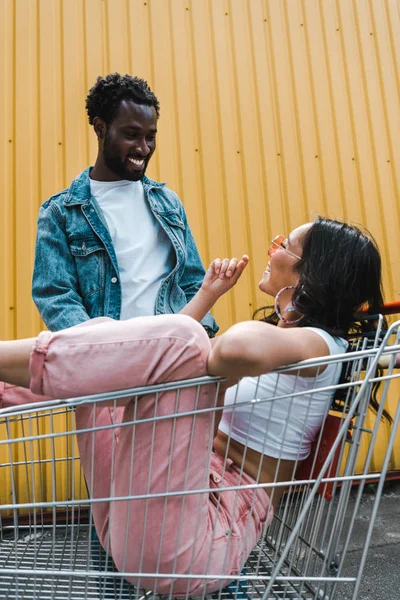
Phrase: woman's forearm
x=221 y=276
x=199 y=305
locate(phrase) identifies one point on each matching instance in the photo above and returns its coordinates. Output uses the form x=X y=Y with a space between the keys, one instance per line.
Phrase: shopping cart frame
x=285 y=573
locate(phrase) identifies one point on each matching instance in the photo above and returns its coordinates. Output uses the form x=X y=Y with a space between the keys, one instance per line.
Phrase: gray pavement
x=381 y=578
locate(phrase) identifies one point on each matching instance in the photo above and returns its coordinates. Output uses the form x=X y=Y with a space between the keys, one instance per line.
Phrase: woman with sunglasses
x=321 y=275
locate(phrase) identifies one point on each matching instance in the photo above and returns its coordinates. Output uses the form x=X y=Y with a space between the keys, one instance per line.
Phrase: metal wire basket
x=49 y=548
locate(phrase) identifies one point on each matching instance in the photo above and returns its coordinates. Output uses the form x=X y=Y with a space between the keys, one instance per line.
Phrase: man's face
x=130 y=140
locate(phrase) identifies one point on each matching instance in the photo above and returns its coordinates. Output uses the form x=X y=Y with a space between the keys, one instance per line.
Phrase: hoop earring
x=289 y=309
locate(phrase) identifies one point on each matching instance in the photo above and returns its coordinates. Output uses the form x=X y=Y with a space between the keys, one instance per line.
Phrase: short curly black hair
x=105 y=96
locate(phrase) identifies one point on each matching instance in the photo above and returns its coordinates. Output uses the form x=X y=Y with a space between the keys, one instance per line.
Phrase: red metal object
x=389 y=308
x=311 y=466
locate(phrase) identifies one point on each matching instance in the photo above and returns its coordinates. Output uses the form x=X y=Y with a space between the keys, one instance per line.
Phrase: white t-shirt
x=144 y=252
x=285 y=425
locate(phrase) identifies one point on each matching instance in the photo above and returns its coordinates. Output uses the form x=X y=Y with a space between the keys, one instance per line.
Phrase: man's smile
x=137 y=162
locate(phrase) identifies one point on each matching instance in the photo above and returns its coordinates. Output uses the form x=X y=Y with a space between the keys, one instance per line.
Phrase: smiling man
x=116 y=243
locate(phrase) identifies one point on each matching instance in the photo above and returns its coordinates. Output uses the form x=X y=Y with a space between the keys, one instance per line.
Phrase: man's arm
x=54 y=284
x=193 y=275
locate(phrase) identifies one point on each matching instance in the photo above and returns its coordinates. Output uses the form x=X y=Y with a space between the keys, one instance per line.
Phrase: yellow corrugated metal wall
x=272 y=111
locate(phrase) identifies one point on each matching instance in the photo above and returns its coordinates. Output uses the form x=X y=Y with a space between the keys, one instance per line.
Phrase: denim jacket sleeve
x=193 y=275
x=54 y=285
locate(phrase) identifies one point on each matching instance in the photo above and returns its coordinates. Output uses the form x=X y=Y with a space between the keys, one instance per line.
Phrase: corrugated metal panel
x=272 y=111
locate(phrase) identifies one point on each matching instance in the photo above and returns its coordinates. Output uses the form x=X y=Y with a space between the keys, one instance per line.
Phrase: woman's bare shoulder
x=255 y=347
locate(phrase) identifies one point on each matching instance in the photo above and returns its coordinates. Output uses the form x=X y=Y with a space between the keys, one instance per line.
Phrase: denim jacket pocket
x=90 y=256
x=174 y=227
x=85 y=246
x=173 y=219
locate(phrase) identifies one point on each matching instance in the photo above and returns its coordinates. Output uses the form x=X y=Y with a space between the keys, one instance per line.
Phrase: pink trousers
x=209 y=532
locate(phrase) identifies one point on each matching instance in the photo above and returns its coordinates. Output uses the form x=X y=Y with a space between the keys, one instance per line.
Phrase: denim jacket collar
x=79 y=190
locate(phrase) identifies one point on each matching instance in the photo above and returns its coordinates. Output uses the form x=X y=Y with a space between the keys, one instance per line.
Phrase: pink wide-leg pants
x=211 y=532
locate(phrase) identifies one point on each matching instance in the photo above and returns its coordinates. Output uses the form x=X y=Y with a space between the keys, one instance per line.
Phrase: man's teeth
x=137 y=162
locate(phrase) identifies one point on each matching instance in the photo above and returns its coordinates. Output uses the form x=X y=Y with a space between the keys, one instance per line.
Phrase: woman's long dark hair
x=339 y=276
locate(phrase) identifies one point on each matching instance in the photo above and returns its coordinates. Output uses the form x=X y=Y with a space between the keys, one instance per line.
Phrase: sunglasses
x=277 y=243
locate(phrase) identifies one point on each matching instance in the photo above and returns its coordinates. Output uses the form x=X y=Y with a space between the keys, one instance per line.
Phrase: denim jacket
x=76 y=274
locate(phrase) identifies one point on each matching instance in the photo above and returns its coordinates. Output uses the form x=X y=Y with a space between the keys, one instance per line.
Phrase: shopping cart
x=48 y=545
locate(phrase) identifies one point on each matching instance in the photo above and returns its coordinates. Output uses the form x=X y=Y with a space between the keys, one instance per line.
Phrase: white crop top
x=286 y=424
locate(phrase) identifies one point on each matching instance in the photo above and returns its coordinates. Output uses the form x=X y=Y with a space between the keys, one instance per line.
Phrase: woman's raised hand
x=222 y=275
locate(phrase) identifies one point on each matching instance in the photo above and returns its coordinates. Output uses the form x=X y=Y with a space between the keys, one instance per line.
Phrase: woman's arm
x=252 y=348
x=221 y=276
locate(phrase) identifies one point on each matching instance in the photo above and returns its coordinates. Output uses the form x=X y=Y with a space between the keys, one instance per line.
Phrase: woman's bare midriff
x=272 y=470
